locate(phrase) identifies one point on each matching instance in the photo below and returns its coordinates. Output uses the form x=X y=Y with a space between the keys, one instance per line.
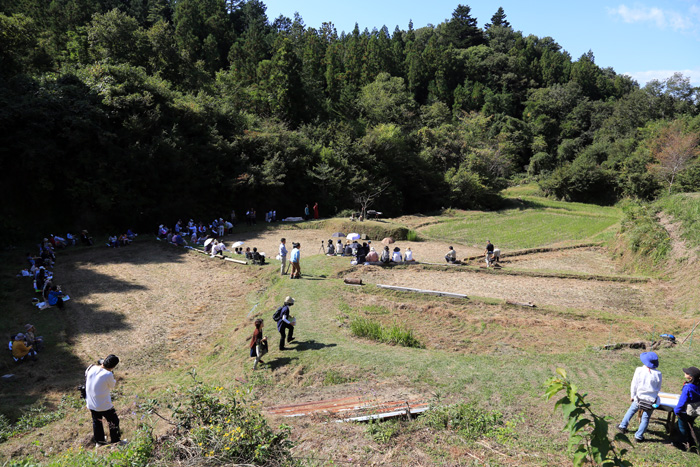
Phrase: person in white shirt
x=451 y=256
x=644 y=392
x=396 y=256
x=99 y=381
x=219 y=247
x=409 y=255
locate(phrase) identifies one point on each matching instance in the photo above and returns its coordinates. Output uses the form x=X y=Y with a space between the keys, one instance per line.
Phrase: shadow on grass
x=280 y=362
x=80 y=271
x=312 y=345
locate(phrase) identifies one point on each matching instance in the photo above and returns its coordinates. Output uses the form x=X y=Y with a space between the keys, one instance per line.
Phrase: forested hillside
x=134 y=112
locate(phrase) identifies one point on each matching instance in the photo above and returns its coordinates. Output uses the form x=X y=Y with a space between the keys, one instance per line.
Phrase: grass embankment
x=531 y=222
x=492 y=357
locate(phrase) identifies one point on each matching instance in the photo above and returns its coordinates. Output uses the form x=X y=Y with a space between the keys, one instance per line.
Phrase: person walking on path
x=285 y=322
x=307 y=213
x=99 y=381
x=258 y=344
x=316 y=210
x=296 y=268
x=690 y=394
x=283 y=256
x=644 y=393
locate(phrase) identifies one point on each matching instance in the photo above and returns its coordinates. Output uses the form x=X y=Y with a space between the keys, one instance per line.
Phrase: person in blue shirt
x=689 y=394
x=296 y=268
x=54 y=297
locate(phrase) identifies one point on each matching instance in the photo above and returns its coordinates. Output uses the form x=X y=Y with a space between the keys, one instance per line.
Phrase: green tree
x=461 y=30
x=386 y=100
x=498 y=20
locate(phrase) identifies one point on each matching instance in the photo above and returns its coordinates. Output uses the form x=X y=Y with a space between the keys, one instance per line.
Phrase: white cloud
x=643 y=77
x=661 y=18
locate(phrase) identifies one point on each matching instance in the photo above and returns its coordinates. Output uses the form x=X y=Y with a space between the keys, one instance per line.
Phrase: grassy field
x=481 y=362
x=531 y=222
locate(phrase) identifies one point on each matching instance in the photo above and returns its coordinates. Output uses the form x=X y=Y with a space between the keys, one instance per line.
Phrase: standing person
x=316 y=210
x=233 y=217
x=285 y=322
x=489 y=253
x=644 y=392
x=99 y=381
x=690 y=394
x=307 y=213
x=296 y=268
x=283 y=256
x=258 y=344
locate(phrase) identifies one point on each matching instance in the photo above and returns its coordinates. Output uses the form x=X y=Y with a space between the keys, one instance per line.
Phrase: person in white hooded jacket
x=644 y=393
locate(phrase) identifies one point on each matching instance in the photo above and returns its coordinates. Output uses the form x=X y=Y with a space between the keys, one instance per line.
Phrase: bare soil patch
x=589 y=260
x=147 y=302
x=563 y=293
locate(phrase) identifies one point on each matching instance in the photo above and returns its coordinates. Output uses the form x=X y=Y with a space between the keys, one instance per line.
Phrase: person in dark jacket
x=690 y=394
x=285 y=323
x=258 y=344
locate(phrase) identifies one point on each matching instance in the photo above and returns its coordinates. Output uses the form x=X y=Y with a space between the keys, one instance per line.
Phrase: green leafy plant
x=468 y=420
x=588 y=432
x=222 y=425
x=395 y=334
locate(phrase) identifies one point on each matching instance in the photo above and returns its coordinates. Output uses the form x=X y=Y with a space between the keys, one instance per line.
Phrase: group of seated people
x=366 y=253
x=25 y=345
x=197 y=233
x=124 y=239
x=255 y=256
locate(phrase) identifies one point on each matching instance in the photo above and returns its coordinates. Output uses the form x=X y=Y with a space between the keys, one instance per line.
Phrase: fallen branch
x=528 y=304
x=691 y=332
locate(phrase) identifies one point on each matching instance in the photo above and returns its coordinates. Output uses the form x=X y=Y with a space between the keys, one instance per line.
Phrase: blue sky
x=644 y=39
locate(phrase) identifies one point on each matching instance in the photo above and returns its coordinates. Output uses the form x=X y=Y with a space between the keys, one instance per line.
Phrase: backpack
x=278 y=314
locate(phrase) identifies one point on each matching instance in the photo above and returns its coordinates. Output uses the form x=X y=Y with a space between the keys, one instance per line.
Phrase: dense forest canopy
x=116 y=113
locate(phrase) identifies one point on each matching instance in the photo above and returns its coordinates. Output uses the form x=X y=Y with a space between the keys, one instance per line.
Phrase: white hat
x=288 y=300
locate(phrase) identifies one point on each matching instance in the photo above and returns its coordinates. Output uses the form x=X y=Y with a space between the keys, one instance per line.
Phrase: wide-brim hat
x=27 y=327
x=19 y=336
x=288 y=300
x=650 y=359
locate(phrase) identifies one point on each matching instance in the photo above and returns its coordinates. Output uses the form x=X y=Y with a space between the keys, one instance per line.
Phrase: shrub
x=642 y=235
x=412 y=236
x=223 y=426
x=395 y=334
x=468 y=420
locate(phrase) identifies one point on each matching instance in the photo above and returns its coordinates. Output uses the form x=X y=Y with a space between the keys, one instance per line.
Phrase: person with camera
x=99 y=381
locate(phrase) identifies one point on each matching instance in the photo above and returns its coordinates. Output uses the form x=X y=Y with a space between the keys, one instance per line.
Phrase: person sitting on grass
x=396 y=257
x=258 y=258
x=451 y=256
x=20 y=349
x=36 y=342
x=386 y=255
x=248 y=253
x=85 y=238
x=372 y=256
x=408 y=257
x=112 y=242
x=339 y=250
x=690 y=394
x=55 y=298
x=178 y=240
x=124 y=240
x=330 y=249
x=218 y=248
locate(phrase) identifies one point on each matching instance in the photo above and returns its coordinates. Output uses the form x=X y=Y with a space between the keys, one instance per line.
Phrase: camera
x=100 y=361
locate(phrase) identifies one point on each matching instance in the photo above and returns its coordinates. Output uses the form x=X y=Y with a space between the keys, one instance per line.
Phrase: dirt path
x=622 y=298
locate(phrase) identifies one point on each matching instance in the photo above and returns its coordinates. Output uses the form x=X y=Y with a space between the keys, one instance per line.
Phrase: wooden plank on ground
x=429 y=292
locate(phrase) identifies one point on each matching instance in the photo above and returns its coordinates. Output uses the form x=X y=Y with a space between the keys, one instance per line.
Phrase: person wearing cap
x=296 y=255
x=31 y=339
x=690 y=394
x=644 y=392
x=285 y=323
x=20 y=349
x=99 y=382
